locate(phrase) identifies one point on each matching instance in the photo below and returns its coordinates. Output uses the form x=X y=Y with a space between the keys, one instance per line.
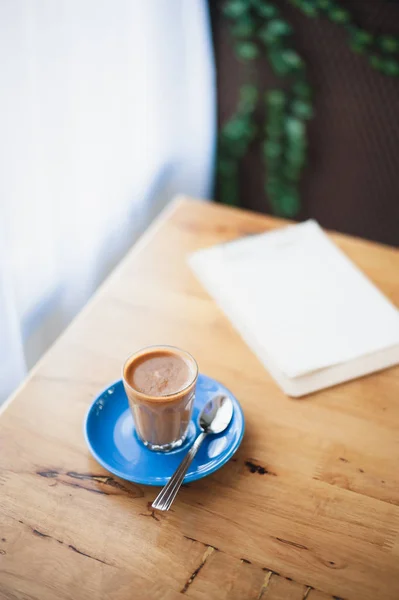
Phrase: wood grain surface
x=307 y=508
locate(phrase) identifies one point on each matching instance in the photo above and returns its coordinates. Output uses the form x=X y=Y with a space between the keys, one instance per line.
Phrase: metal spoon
x=214 y=418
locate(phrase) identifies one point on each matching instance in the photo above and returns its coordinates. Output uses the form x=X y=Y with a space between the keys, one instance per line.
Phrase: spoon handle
x=168 y=493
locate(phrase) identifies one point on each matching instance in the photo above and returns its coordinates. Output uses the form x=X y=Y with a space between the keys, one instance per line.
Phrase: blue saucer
x=112 y=439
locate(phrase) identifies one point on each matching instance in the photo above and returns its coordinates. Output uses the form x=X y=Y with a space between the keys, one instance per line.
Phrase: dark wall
x=351 y=182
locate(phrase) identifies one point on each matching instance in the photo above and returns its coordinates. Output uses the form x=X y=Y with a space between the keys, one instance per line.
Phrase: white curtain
x=106 y=112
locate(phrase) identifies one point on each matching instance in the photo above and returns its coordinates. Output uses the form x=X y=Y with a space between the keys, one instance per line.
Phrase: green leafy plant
x=258 y=29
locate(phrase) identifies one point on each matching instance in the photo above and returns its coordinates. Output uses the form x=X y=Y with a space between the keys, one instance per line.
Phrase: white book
x=310 y=315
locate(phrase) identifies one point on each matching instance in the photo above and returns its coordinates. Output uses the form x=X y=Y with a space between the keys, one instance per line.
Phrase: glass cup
x=161 y=420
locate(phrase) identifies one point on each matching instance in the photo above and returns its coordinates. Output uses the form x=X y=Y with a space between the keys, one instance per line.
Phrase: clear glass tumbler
x=161 y=421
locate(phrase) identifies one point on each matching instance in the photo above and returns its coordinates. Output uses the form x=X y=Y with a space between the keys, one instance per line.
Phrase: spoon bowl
x=216 y=414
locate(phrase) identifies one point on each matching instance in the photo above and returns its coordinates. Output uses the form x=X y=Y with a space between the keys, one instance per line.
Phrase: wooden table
x=307 y=508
